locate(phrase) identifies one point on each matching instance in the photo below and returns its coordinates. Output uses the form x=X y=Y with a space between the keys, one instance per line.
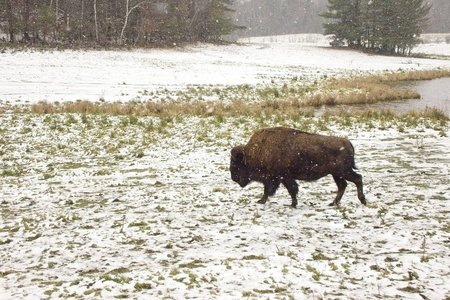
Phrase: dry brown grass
x=414 y=75
x=359 y=90
x=197 y=108
x=370 y=88
x=431 y=113
x=399 y=76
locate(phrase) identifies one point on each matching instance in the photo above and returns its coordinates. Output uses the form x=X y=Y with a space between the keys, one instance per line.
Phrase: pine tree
x=388 y=26
x=345 y=24
x=197 y=20
x=414 y=21
x=213 y=20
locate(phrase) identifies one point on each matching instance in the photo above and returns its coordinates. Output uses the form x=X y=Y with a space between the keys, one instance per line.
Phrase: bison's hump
x=281 y=147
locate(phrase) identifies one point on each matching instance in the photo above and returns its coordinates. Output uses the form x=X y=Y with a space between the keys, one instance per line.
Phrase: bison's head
x=239 y=172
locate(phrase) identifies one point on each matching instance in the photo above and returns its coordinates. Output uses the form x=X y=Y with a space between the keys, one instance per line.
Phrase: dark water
x=434 y=94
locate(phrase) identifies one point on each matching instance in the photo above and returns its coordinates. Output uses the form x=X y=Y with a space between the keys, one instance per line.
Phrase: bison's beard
x=241 y=179
x=243 y=184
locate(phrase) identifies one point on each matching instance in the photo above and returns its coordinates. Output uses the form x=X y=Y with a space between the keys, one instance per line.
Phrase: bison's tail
x=353 y=158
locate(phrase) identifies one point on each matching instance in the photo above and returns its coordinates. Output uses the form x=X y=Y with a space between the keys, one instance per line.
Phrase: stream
x=434 y=94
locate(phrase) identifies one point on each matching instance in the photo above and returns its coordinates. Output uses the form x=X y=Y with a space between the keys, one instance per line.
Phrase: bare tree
x=128 y=11
x=11 y=20
x=95 y=20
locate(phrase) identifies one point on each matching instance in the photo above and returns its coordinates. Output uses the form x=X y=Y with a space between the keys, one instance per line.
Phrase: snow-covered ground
x=31 y=76
x=107 y=207
x=102 y=207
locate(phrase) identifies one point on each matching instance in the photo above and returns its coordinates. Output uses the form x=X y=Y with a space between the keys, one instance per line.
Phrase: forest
x=147 y=22
x=116 y=22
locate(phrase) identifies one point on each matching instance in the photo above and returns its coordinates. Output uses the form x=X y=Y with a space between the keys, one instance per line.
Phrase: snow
x=435 y=48
x=101 y=207
x=30 y=76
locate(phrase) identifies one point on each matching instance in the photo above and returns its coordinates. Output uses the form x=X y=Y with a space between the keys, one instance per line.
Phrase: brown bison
x=283 y=155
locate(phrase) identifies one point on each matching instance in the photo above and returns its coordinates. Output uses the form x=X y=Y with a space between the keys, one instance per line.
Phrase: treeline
x=387 y=26
x=115 y=22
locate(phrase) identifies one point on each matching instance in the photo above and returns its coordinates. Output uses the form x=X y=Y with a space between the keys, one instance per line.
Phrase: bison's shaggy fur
x=283 y=155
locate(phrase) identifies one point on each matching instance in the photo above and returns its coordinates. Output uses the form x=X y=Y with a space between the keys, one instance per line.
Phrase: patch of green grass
x=174 y=272
x=89 y=272
x=6 y=241
x=411 y=289
x=333 y=266
x=138 y=224
x=318 y=255
x=142 y=286
x=253 y=257
x=115 y=278
x=75 y=282
x=50 y=292
x=6 y=273
x=102 y=172
x=315 y=274
x=34 y=237
x=192 y=265
x=117 y=271
x=220 y=190
x=94 y=292
x=13 y=172
x=258 y=291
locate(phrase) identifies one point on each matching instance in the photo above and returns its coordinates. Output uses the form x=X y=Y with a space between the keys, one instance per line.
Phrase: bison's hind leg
x=351 y=176
x=270 y=187
x=292 y=187
x=357 y=180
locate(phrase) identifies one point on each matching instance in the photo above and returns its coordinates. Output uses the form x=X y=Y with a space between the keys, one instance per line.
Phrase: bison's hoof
x=333 y=204
x=261 y=202
x=363 y=201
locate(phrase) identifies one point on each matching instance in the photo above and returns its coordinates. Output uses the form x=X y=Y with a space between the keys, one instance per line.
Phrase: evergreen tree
x=413 y=23
x=345 y=22
x=212 y=20
x=388 y=26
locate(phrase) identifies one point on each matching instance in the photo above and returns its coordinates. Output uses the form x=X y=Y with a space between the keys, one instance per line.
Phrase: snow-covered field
x=106 y=207
x=145 y=75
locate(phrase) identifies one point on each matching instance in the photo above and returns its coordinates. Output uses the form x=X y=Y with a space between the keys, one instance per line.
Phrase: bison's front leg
x=292 y=187
x=270 y=187
x=341 y=184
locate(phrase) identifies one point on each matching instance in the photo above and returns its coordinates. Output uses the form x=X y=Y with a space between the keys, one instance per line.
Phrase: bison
x=284 y=155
